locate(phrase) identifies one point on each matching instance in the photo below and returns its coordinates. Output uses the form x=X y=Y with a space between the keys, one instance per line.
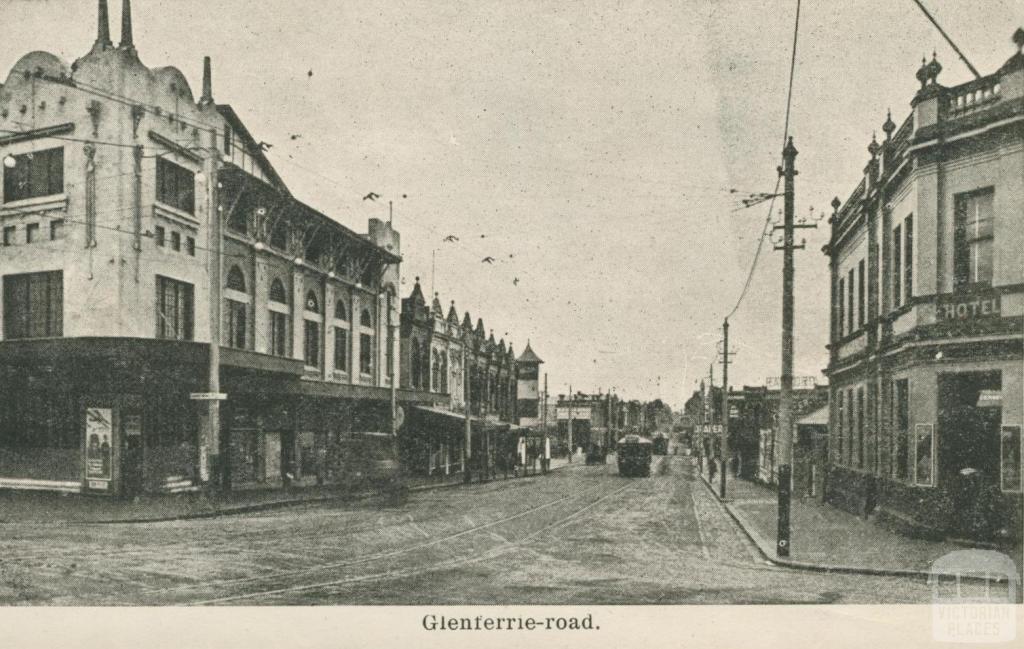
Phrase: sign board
x=208 y=396
x=99 y=429
x=990 y=399
x=131 y=424
x=799 y=382
x=578 y=412
x=968 y=307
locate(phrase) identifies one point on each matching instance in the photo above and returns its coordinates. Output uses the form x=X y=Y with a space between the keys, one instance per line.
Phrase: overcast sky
x=589 y=147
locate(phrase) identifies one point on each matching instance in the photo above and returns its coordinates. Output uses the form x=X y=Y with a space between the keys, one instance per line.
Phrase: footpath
x=40 y=507
x=825 y=538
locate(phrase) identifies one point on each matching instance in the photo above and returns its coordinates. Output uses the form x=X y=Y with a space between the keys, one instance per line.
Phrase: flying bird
x=372 y=196
x=296 y=136
x=309 y=74
x=483 y=236
x=487 y=260
x=451 y=237
x=511 y=256
x=515 y=281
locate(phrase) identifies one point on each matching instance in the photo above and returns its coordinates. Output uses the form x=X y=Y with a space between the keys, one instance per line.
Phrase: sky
x=596 y=150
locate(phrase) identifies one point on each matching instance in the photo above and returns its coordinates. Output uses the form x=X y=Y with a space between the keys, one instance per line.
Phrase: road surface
x=579 y=535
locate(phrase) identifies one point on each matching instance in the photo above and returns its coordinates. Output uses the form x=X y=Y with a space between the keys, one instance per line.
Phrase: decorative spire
x=1018 y=39
x=874 y=146
x=889 y=126
x=922 y=72
x=127 y=42
x=207 y=98
x=102 y=28
x=934 y=68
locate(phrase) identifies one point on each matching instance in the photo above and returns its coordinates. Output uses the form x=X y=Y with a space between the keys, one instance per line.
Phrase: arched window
x=414 y=360
x=340 y=312
x=277 y=292
x=312 y=303
x=444 y=373
x=236 y=279
x=435 y=374
x=365 y=320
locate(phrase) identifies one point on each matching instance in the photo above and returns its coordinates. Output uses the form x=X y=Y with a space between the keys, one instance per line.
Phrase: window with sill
x=850 y=314
x=175 y=309
x=365 y=354
x=34 y=305
x=56 y=229
x=973 y=238
x=341 y=349
x=235 y=323
x=10 y=232
x=175 y=186
x=897 y=266
x=311 y=352
x=35 y=174
x=31 y=233
x=901 y=427
x=841 y=310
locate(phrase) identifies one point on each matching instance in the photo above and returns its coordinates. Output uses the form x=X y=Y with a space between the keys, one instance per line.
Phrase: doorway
x=970 y=411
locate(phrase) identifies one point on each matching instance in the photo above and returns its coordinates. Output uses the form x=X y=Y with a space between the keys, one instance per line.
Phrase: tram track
x=488 y=555
x=398 y=553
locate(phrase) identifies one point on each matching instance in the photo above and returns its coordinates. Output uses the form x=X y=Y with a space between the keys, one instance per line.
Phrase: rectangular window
x=175 y=186
x=897 y=267
x=851 y=314
x=31 y=233
x=190 y=246
x=56 y=229
x=872 y=423
x=908 y=257
x=236 y=324
x=40 y=173
x=901 y=426
x=34 y=305
x=340 y=349
x=278 y=333
x=850 y=426
x=1010 y=465
x=227 y=140
x=839 y=426
x=924 y=443
x=860 y=428
x=174 y=309
x=972 y=238
x=365 y=353
x=159 y=235
x=840 y=326
x=10 y=232
x=175 y=240
x=312 y=344
x=861 y=314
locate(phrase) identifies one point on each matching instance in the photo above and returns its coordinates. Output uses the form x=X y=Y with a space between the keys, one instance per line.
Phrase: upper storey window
x=175 y=186
x=973 y=237
x=40 y=173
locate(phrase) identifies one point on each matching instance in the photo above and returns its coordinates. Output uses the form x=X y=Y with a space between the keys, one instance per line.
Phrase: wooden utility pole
x=570 y=422
x=725 y=406
x=467 y=443
x=785 y=451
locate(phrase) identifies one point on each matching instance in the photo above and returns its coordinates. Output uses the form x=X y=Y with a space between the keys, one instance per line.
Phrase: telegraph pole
x=725 y=406
x=785 y=454
x=570 y=422
x=467 y=445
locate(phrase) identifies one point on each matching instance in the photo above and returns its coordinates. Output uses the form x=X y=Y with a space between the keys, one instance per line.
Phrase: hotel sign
x=967 y=307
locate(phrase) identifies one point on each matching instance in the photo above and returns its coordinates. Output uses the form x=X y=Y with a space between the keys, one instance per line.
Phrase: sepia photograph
x=525 y=322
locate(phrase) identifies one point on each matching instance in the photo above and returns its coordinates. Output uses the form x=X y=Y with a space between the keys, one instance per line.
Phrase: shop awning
x=817 y=418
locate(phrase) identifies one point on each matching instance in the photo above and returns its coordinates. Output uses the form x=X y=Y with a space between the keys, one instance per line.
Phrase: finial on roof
x=889 y=125
x=207 y=97
x=1018 y=39
x=127 y=42
x=836 y=203
x=103 y=28
x=922 y=72
x=874 y=146
x=934 y=68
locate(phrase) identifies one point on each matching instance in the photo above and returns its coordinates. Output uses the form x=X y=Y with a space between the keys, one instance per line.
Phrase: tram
x=634 y=456
x=660 y=444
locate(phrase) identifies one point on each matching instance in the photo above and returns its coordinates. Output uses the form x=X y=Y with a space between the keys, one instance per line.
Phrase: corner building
x=112 y=291
x=927 y=313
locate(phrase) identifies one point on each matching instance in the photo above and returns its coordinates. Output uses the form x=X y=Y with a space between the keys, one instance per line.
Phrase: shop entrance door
x=968 y=446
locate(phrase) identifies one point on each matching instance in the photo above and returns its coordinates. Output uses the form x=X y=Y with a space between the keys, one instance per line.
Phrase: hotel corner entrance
x=970 y=411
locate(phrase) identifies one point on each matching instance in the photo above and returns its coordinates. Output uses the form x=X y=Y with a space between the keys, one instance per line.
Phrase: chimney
x=207 y=98
x=127 y=42
x=102 y=29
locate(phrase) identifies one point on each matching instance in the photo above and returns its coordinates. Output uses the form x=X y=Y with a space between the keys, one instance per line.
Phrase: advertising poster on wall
x=98 y=443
